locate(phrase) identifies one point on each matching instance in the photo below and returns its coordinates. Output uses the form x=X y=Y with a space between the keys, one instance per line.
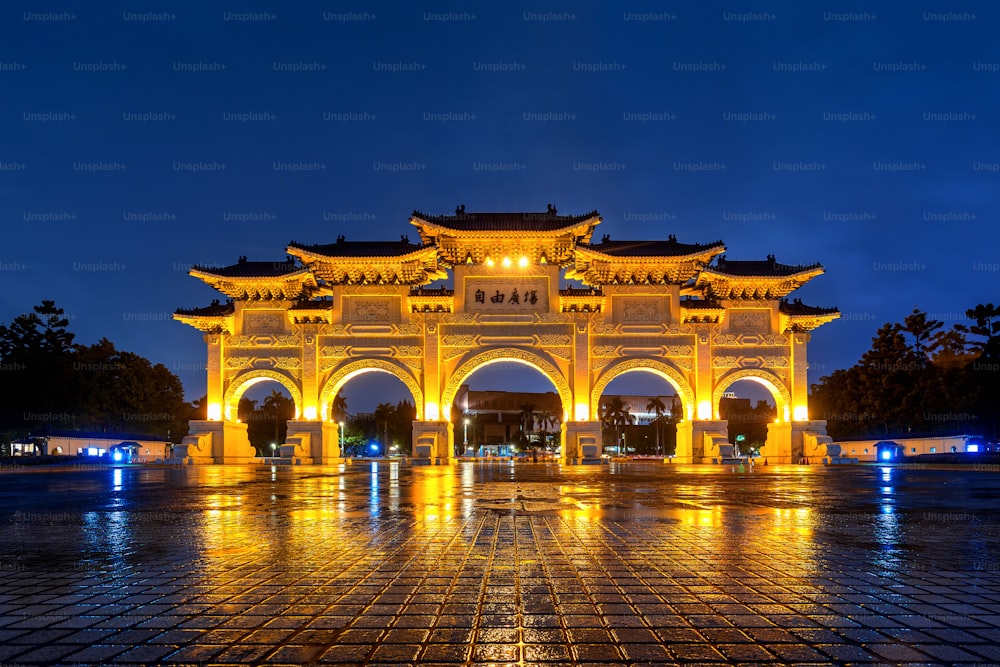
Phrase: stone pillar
x=433 y=382
x=800 y=442
x=312 y=442
x=779 y=446
x=214 y=389
x=799 y=375
x=579 y=373
x=817 y=446
x=433 y=442
x=703 y=441
x=685 y=451
x=581 y=442
x=215 y=442
x=703 y=379
x=310 y=372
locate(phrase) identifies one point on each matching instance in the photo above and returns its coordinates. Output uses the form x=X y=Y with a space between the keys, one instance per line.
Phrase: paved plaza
x=475 y=563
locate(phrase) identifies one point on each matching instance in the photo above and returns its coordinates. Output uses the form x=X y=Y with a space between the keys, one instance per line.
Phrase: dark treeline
x=49 y=382
x=919 y=378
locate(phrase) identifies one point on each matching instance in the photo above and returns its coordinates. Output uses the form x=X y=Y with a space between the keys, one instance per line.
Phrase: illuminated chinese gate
x=681 y=311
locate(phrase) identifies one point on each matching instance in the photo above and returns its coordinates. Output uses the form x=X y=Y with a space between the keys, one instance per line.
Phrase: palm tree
x=338 y=408
x=527 y=420
x=617 y=414
x=657 y=405
x=383 y=415
x=546 y=420
x=276 y=403
x=244 y=411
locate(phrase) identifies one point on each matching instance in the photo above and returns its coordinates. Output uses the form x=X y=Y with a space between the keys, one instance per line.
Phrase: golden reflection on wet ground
x=378 y=562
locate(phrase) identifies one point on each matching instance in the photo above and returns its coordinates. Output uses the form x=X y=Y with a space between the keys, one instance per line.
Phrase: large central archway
x=499 y=355
x=344 y=373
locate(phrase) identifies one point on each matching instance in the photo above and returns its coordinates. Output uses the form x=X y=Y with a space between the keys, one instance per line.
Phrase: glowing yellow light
x=801 y=413
x=705 y=410
x=788 y=415
x=214 y=412
x=431 y=412
x=506 y=262
x=489 y=261
x=582 y=412
x=310 y=412
x=523 y=262
x=690 y=411
x=543 y=260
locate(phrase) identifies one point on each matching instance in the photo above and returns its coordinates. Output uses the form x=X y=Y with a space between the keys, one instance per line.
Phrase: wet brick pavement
x=498 y=563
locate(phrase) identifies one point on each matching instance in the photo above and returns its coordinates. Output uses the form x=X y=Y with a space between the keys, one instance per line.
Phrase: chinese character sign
x=507 y=295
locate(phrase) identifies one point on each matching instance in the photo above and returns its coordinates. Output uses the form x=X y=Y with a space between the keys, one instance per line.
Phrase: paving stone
x=445 y=653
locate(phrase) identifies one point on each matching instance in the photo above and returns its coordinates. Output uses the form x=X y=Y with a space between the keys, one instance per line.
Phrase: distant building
x=876 y=450
x=497 y=419
x=133 y=448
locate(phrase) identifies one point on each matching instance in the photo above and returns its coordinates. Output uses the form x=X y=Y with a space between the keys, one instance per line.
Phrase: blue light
x=374 y=447
x=886 y=454
x=117 y=456
x=972 y=448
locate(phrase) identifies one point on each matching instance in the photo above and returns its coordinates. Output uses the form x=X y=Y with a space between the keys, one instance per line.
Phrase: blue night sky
x=138 y=138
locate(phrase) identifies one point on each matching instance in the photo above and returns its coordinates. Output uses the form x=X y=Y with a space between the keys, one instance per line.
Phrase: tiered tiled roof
x=247 y=269
x=769 y=267
x=508 y=240
x=549 y=221
x=345 y=248
x=755 y=279
x=797 y=316
x=640 y=262
x=216 y=318
x=370 y=262
x=259 y=280
x=796 y=307
x=315 y=311
x=669 y=248
x=214 y=310
x=486 y=238
x=701 y=310
x=581 y=299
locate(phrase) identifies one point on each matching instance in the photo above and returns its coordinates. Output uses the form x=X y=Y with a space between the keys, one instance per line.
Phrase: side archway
x=517 y=355
x=664 y=370
x=342 y=374
x=239 y=384
x=782 y=397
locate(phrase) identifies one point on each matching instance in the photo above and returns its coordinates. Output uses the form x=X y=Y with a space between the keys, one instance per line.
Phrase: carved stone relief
x=263 y=322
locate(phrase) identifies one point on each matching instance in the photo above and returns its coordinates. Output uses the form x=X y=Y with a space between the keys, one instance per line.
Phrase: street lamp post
x=341 y=438
x=465 y=436
x=273 y=447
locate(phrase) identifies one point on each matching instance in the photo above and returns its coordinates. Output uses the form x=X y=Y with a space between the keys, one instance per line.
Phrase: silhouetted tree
x=917 y=379
x=50 y=382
